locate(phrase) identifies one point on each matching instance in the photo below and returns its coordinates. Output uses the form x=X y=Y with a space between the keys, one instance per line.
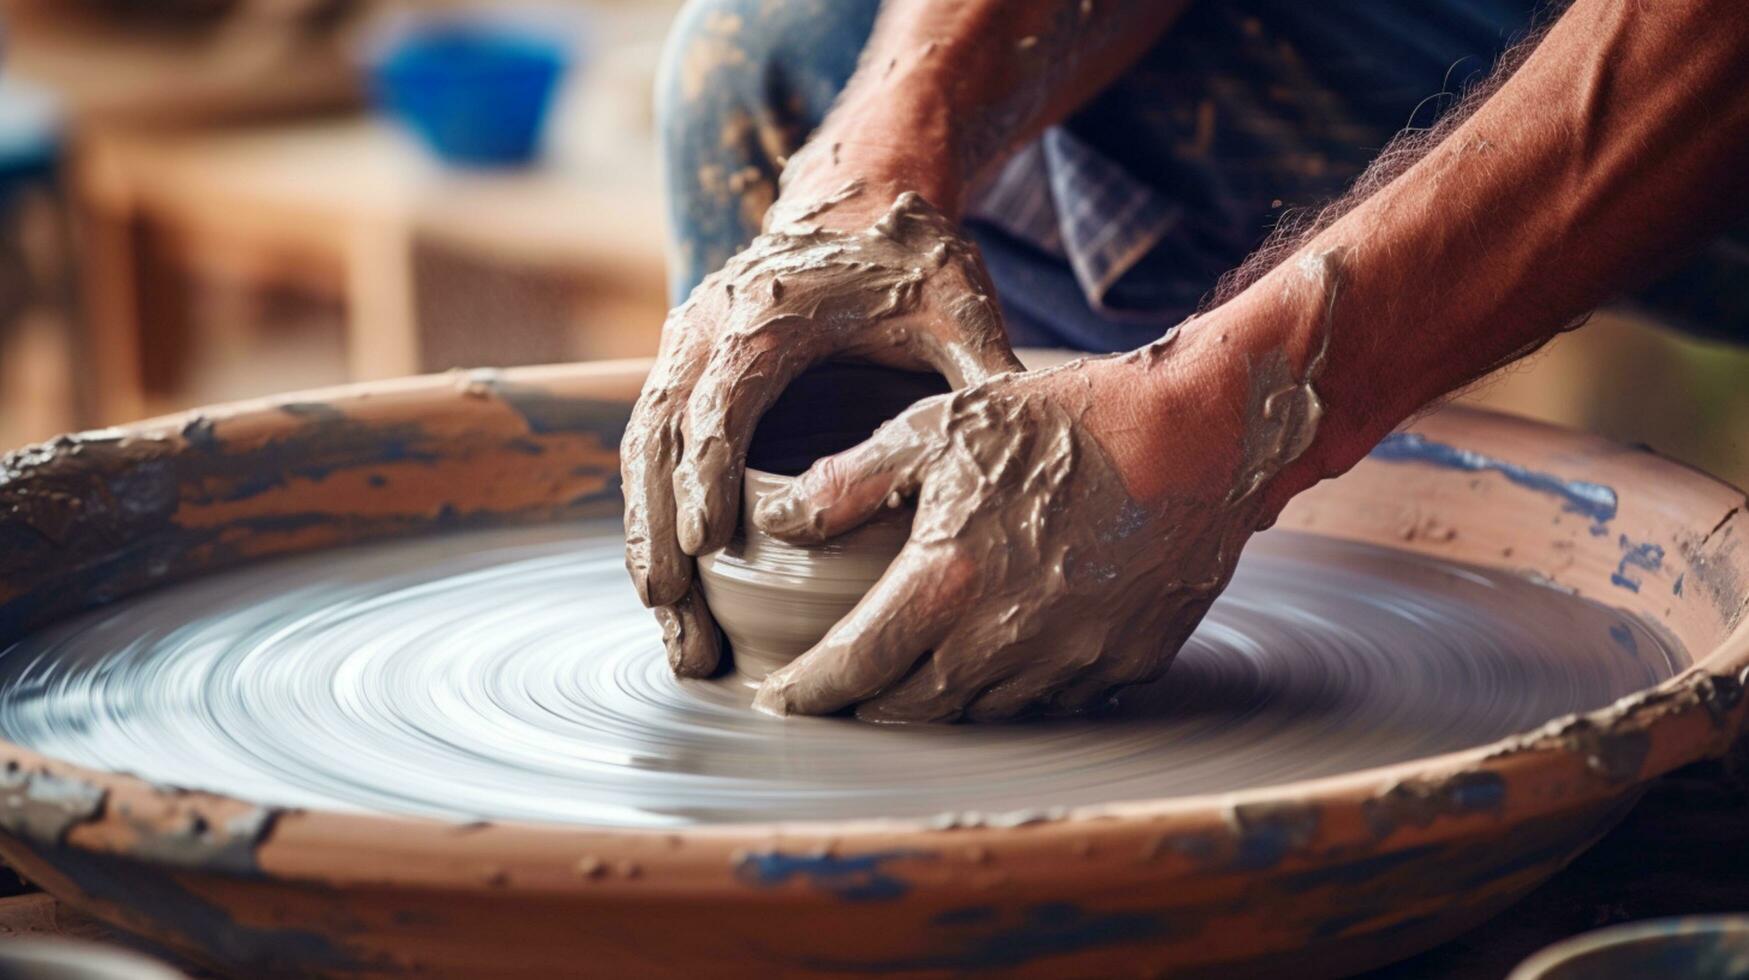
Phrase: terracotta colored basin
x=1317 y=877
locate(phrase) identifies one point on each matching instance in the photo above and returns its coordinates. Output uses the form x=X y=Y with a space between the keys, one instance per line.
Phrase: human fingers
x=660 y=571
x=689 y=634
x=743 y=375
x=959 y=671
x=844 y=490
x=970 y=345
x=898 y=621
x=1076 y=672
x=1052 y=691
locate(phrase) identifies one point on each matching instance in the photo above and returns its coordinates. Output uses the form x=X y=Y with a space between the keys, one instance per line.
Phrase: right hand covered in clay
x=902 y=288
x=1072 y=527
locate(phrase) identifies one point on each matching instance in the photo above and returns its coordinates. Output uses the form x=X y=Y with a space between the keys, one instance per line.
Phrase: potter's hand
x=1072 y=527
x=903 y=288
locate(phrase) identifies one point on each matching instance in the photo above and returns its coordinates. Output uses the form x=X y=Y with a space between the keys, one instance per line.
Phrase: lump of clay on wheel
x=774 y=600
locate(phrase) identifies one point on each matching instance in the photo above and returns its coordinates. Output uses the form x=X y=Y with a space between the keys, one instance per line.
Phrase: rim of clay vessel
x=541 y=444
x=822 y=581
x=757 y=484
x=1614 y=952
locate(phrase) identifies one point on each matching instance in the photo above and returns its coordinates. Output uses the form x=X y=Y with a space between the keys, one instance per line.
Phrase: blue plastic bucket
x=475 y=89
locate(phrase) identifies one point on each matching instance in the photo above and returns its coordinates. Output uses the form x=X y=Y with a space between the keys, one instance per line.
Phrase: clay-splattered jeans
x=1115 y=224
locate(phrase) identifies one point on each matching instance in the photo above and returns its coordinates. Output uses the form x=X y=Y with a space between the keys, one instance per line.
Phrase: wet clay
x=775 y=600
x=1033 y=579
x=514 y=674
x=906 y=292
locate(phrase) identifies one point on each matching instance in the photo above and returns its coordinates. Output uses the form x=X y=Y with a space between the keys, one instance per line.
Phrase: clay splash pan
x=352 y=683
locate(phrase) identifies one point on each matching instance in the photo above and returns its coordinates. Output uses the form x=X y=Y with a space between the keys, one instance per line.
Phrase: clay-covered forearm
x=1618 y=144
x=946 y=88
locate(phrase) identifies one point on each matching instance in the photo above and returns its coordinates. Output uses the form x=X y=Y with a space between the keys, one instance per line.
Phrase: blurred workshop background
x=203 y=200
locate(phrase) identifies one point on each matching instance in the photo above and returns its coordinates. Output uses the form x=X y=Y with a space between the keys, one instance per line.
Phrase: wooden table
x=334 y=205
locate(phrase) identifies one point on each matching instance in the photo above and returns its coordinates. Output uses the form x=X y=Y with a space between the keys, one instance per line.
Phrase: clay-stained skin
x=1032 y=580
x=907 y=292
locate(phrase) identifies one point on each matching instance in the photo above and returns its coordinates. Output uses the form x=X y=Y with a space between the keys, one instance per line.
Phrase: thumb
x=843 y=491
x=974 y=345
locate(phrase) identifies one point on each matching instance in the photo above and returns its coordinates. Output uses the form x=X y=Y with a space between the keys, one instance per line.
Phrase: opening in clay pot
x=774 y=600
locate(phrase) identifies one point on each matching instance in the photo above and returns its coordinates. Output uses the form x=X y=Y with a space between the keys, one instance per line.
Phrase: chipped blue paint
x=202 y=923
x=198 y=433
x=852 y=877
x=88 y=518
x=321 y=447
x=1042 y=931
x=1263 y=847
x=1646 y=557
x=1624 y=638
x=1482 y=791
x=547 y=413
x=1594 y=500
x=1419 y=803
x=1269 y=832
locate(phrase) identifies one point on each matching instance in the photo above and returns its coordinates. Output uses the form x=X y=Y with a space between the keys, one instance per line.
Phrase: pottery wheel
x=513 y=674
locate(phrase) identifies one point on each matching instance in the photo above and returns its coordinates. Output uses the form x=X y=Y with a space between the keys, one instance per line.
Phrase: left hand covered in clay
x=1072 y=527
x=904 y=289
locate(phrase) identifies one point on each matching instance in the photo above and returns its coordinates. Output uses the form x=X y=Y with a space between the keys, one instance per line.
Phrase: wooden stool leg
x=382 y=332
x=111 y=315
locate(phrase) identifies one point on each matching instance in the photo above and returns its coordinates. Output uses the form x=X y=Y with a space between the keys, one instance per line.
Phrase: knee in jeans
x=741 y=85
x=778 y=63
x=715 y=54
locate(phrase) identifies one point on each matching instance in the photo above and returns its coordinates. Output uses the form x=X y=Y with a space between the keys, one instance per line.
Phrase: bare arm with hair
x=946 y=90
x=1601 y=157
x=1073 y=525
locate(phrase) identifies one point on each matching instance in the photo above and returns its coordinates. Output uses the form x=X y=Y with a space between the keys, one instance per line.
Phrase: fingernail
x=691 y=644
x=641 y=582
x=781 y=513
x=673 y=635
x=689 y=528
x=770 y=700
